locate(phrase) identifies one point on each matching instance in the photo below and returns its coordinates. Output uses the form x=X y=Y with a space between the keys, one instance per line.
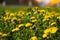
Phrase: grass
x=16 y=8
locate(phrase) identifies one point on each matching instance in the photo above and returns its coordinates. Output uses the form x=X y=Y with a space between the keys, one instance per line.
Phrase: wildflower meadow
x=30 y=23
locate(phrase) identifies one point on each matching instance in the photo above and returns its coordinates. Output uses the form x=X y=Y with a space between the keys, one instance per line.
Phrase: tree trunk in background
x=4 y=3
x=12 y=2
x=30 y=3
x=25 y=2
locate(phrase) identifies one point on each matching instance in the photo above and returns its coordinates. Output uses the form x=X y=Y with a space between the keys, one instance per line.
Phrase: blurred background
x=30 y=2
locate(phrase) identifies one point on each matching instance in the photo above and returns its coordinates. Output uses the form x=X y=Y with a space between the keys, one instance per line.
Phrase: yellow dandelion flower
x=7 y=13
x=46 y=17
x=44 y=35
x=35 y=12
x=4 y=35
x=16 y=29
x=14 y=18
x=33 y=9
x=20 y=13
x=53 y=23
x=58 y=17
x=1 y=33
x=53 y=29
x=34 y=20
x=12 y=14
x=42 y=11
x=50 y=15
x=28 y=13
x=34 y=38
x=45 y=20
x=20 y=25
x=46 y=31
x=28 y=24
x=5 y=18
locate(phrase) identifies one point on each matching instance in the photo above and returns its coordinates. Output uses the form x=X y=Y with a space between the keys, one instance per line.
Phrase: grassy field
x=16 y=8
x=29 y=23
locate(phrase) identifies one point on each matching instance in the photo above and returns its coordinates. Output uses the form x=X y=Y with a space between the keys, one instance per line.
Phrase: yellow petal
x=44 y=35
